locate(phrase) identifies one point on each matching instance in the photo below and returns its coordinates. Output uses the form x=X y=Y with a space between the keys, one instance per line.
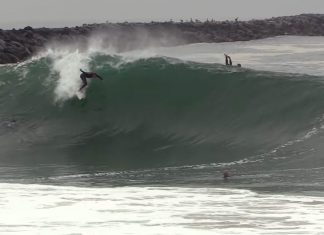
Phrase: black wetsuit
x=228 y=60
x=84 y=76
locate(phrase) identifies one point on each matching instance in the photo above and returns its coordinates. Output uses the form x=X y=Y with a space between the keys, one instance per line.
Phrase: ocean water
x=145 y=150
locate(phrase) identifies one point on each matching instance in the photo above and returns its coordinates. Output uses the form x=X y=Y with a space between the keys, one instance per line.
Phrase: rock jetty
x=20 y=44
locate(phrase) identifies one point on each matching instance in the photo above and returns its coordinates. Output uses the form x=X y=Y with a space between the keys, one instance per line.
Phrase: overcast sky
x=58 y=13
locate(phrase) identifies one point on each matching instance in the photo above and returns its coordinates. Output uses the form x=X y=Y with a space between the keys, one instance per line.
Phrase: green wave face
x=149 y=112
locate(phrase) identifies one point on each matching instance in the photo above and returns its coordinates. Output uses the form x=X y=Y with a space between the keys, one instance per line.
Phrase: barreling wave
x=150 y=111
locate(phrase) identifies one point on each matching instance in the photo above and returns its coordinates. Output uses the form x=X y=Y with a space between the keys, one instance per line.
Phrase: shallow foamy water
x=40 y=209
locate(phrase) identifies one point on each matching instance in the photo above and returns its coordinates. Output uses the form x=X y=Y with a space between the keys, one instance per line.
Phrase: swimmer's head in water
x=226 y=174
x=239 y=65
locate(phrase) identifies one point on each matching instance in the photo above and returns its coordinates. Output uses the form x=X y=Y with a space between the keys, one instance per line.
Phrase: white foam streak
x=68 y=64
x=41 y=209
x=67 y=61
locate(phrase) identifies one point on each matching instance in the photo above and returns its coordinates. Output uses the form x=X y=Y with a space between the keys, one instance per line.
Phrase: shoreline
x=18 y=45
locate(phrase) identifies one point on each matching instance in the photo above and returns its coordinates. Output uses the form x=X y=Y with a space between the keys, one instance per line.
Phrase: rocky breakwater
x=21 y=44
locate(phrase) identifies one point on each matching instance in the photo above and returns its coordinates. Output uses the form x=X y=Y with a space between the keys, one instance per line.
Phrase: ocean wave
x=151 y=111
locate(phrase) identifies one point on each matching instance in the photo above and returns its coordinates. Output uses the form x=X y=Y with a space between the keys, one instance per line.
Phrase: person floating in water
x=226 y=174
x=85 y=75
x=228 y=61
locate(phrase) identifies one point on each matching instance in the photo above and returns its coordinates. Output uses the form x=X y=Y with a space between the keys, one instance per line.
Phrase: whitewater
x=145 y=149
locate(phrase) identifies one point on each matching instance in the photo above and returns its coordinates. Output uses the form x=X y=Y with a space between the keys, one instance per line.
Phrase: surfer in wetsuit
x=228 y=61
x=85 y=75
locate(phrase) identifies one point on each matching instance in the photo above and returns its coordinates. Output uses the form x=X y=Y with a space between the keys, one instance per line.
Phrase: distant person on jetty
x=85 y=75
x=228 y=61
